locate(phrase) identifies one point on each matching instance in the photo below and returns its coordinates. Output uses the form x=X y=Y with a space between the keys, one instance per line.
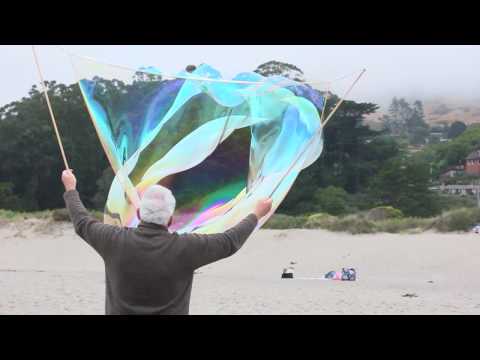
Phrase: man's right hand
x=263 y=208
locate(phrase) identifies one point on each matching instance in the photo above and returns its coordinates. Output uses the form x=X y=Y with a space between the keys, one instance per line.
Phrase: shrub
x=320 y=221
x=398 y=225
x=60 y=215
x=44 y=214
x=281 y=221
x=353 y=224
x=20 y=215
x=383 y=213
x=458 y=220
x=450 y=202
x=9 y=214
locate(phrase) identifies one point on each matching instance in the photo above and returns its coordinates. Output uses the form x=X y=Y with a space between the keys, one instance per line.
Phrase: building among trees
x=452 y=171
x=437 y=134
x=472 y=163
x=470 y=167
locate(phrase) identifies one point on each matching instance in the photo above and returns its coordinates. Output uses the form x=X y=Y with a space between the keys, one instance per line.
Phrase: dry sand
x=46 y=269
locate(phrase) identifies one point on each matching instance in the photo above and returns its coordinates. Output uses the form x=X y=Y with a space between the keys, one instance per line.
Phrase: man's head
x=157 y=205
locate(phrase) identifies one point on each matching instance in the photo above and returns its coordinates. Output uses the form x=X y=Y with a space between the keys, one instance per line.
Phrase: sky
x=414 y=72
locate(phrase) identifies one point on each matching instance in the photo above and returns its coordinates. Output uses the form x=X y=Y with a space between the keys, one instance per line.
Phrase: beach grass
x=462 y=219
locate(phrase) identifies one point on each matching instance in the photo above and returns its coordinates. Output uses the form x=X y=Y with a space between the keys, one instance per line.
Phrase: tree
x=406 y=121
x=190 y=68
x=103 y=187
x=8 y=200
x=394 y=123
x=280 y=68
x=30 y=155
x=352 y=154
x=332 y=200
x=346 y=161
x=456 y=129
x=140 y=77
x=404 y=184
x=417 y=128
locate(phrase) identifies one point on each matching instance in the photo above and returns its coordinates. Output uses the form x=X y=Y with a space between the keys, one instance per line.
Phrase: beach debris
x=347 y=274
x=430 y=281
x=288 y=273
x=410 y=295
x=293 y=262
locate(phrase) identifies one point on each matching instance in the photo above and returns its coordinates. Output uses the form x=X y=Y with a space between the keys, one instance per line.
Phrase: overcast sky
x=409 y=71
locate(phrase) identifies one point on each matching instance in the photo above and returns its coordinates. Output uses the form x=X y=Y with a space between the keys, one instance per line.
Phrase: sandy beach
x=46 y=269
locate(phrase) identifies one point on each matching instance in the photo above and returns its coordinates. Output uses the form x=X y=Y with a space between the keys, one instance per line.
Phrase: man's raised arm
x=201 y=249
x=94 y=232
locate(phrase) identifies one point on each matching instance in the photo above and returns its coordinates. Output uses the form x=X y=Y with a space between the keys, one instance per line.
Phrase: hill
x=441 y=110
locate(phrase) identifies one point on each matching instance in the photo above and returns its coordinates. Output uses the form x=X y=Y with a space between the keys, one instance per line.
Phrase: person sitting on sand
x=148 y=269
x=287 y=273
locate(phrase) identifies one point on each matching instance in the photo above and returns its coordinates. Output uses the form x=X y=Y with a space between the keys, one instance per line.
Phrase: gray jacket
x=149 y=270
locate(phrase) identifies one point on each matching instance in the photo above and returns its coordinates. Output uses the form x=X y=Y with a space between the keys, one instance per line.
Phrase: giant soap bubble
x=219 y=145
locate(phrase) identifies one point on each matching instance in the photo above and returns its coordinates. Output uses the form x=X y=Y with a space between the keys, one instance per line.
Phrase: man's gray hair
x=157 y=205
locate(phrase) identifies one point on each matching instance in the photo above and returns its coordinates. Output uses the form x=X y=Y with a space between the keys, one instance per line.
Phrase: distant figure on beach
x=148 y=269
x=287 y=273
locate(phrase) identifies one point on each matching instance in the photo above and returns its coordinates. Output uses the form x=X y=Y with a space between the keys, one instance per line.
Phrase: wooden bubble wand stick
x=52 y=117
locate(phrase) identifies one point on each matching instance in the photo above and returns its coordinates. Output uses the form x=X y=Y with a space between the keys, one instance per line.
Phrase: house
x=437 y=134
x=472 y=163
x=452 y=171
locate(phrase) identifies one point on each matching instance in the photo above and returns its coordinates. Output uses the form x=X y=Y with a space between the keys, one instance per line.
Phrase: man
x=149 y=270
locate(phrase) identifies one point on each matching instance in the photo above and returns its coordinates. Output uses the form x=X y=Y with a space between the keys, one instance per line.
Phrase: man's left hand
x=69 y=180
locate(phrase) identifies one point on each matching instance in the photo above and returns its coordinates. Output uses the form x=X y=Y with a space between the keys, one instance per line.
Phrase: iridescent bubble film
x=218 y=145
